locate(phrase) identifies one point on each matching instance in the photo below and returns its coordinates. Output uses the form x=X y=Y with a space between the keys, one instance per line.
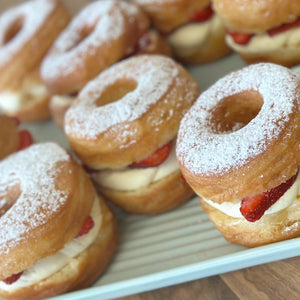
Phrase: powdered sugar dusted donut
x=103 y=33
x=47 y=197
x=26 y=29
x=128 y=113
x=139 y=102
x=241 y=139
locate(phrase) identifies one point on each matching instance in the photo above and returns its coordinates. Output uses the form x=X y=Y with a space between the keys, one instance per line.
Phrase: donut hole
x=13 y=30
x=236 y=111
x=116 y=91
x=9 y=197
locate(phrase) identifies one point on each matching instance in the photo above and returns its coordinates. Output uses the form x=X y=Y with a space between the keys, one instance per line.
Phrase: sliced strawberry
x=87 y=226
x=157 y=158
x=25 y=139
x=143 y=43
x=240 y=37
x=13 y=278
x=253 y=207
x=283 y=27
x=203 y=15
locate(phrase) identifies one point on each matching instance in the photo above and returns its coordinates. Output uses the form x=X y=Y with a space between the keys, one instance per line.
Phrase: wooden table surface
x=276 y=280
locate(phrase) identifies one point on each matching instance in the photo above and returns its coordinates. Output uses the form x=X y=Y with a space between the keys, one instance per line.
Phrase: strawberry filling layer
x=254 y=207
x=244 y=38
x=85 y=229
x=203 y=15
x=157 y=158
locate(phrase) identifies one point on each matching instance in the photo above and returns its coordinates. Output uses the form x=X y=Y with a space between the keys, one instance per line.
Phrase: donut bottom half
x=158 y=197
x=271 y=228
x=82 y=271
x=286 y=56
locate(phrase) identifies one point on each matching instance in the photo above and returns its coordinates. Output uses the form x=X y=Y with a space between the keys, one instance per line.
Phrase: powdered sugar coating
x=203 y=151
x=34 y=13
x=153 y=74
x=106 y=17
x=34 y=169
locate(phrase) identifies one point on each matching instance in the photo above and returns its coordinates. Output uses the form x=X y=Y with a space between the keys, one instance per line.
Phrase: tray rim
x=248 y=257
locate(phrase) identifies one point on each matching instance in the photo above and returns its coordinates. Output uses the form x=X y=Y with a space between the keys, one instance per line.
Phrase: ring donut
x=193 y=30
x=48 y=200
x=264 y=31
x=28 y=28
x=103 y=33
x=241 y=139
x=125 y=115
x=12 y=138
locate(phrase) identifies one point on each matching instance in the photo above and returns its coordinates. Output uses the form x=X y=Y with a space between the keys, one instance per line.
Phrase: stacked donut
x=238 y=148
x=12 y=138
x=50 y=200
x=103 y=33
x=262 y=30
x=26 y=33
x=194 y=31
x=124 y=125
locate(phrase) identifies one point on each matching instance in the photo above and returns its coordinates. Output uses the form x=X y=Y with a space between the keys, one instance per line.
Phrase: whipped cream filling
x=62 y=100
x=232 y=209
x=187 y=38
x=265 y=43
x=131 y=179
x=13 y=101
x=47 y=266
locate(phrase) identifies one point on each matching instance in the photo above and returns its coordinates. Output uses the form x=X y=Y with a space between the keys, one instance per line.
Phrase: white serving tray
x=175 y=247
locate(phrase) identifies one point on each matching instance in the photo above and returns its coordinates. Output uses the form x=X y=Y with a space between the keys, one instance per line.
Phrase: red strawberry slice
x=13 y=278
x=87 y=226
x=240 y=38
x=202 y=15
x=157 y=158
x=25 y=139
x=283 y=28
x=253 y=207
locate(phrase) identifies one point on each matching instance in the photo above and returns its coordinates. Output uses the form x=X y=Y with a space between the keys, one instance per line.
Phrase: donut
x=12 y=138
x=56 y=234
x=262 y=31
x=238 y=148
x=194 y=32
x=27 y=32
x=103 y=33
x=123 y=126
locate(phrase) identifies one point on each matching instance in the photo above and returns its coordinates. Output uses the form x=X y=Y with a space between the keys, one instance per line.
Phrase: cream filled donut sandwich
x=238 y=148
x=102 y=33
x=56 y=235
x=123 y=126
x=262 y=31
x=26 y=33
x=193 y=30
